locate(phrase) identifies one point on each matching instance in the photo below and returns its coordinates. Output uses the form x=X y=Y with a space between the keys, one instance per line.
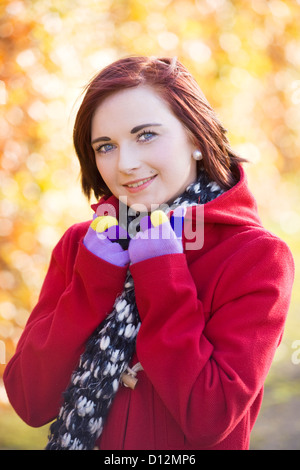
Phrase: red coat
x=212 y=319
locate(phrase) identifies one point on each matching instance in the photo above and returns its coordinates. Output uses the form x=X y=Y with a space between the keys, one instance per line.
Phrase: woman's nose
x=128 y=160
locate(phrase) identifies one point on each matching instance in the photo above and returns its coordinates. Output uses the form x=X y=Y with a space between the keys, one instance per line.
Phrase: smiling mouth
x=139 y=183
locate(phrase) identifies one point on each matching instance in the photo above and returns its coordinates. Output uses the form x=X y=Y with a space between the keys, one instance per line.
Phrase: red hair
x=181 y=92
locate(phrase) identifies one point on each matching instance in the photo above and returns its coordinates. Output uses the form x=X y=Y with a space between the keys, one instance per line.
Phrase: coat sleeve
x=78 y=292
x=208 y=373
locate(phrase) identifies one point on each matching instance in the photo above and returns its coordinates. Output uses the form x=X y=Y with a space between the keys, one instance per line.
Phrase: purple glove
x=157 y=236
x=100 y=238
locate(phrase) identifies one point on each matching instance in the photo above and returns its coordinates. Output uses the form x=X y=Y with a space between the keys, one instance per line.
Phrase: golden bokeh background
x=246 y=58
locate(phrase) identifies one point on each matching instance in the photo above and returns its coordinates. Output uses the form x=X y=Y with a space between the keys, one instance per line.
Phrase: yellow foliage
x=246 y=58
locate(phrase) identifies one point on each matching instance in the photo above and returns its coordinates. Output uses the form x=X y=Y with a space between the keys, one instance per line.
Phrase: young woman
x=158 y=321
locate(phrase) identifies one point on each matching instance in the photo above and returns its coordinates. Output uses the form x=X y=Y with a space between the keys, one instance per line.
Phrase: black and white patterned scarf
x=107 y=356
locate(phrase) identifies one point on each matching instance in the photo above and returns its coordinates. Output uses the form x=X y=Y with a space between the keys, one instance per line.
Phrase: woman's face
x=142 y=150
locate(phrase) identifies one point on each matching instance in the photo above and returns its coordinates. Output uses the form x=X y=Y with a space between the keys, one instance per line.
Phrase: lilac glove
x=157 y=236
x=100 y=238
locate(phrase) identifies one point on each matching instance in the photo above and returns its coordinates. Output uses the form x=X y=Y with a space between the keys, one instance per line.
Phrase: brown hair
x=182 y=93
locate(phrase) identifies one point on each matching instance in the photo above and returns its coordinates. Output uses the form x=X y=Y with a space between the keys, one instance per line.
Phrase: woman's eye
x=104 y=148
x=145 y=136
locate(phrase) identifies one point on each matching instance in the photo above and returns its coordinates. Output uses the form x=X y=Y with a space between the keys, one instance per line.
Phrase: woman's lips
x=139 y=185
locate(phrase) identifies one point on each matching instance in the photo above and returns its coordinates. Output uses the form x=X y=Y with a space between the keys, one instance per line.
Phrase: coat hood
x=237 y=206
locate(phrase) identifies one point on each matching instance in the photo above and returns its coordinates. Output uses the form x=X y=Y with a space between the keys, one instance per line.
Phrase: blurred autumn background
x=245 y=56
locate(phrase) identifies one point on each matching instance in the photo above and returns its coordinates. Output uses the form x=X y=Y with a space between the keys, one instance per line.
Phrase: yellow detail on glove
x=102 y=223
x=158 y=218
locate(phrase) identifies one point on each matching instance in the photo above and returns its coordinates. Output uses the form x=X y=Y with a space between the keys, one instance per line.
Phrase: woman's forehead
x=133 y=107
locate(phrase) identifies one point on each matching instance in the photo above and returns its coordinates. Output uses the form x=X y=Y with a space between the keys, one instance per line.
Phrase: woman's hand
x=158 y=236
x=102 y=240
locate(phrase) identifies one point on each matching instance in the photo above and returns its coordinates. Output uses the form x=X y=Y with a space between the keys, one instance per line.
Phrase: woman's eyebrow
x=138 y=128
x=105 y=139
x=133 y=131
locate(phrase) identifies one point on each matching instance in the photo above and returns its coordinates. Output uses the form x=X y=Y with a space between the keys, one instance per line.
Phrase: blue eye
x=145 y=136
x=104 y=148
